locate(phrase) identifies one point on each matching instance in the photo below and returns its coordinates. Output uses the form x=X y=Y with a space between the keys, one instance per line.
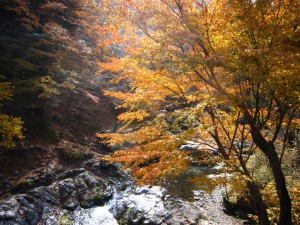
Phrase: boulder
x=43 y=204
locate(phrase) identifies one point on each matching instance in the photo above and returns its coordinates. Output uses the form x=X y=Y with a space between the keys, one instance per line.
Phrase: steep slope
x=60 y=131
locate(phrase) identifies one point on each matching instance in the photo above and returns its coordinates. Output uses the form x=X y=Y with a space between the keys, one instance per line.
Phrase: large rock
x=43 y=204
x=22 y=209
x=9 y=209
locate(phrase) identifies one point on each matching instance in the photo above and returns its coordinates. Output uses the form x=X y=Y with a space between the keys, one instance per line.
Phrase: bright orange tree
x=222 y=72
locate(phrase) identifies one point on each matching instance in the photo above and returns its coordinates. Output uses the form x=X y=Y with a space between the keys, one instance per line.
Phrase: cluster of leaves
x=10 y=127
x=151 y=149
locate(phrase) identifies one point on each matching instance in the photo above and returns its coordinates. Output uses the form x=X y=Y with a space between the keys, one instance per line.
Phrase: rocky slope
x=60 y=132
x=58 y=190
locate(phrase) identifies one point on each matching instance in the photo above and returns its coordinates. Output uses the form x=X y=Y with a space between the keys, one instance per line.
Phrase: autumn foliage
x=221 y=73
x=10 y=127
x=224 y=73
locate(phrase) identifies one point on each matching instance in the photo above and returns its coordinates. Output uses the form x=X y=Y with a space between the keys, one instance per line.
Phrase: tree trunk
x=285 y=217
x=259 y=203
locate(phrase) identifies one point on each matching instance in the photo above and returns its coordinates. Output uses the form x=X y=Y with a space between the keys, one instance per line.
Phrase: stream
x=145 y=199
x=192 y=198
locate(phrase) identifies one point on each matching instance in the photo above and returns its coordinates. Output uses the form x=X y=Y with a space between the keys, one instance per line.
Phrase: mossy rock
x=65 y=219
x=100 y=199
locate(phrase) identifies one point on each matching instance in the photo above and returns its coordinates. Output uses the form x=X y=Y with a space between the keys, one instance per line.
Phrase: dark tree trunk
x=259 y=204
x=285 y=217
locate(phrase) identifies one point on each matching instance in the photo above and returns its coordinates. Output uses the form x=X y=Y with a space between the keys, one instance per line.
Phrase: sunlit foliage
x=224 y=73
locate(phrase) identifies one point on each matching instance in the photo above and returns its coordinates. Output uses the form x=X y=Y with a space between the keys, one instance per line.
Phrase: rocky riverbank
x=82 y=187
x=100 y=193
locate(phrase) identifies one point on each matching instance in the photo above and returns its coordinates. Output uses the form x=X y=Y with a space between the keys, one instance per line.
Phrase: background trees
x=222 y=72
x=47 y=47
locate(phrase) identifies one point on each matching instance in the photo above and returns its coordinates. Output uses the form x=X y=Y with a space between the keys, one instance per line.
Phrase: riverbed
x=191 y=198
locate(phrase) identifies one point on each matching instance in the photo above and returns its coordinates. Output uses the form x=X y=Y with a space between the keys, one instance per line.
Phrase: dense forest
x=220 y=74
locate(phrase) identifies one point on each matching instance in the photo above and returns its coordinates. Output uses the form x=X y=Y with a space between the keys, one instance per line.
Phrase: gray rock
x=45 y=194
x=89 y=178
x=81 y=186
x=52 y=220
x=66 y=187
x=9 y=209
x=71 y=173
x=184 y=213
x=70 y=204
x=146 y=205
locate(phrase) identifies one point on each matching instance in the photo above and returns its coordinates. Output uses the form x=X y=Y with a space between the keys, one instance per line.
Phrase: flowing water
x=149 y=200
x=93 y=216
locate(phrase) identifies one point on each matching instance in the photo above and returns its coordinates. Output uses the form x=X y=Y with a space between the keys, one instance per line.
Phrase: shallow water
x=193 y=184
x=196 y=178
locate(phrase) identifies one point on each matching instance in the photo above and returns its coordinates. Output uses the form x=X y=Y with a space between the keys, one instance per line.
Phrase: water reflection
x=196 y=178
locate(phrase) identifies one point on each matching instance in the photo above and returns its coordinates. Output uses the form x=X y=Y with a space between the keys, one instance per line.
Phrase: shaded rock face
x=78 y=116
x=70 y=190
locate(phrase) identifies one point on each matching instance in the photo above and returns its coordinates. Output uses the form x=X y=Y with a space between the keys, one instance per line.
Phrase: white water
x=146 y=200
x=93 y=216
x=147 y=205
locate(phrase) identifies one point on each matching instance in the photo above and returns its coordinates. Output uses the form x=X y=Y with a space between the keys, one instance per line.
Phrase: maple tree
x=222 y=72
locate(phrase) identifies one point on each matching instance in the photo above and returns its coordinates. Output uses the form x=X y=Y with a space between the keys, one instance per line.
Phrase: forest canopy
x=223 y=73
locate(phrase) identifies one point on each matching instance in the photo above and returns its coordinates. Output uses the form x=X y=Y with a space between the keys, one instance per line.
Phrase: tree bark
x=285 y=217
